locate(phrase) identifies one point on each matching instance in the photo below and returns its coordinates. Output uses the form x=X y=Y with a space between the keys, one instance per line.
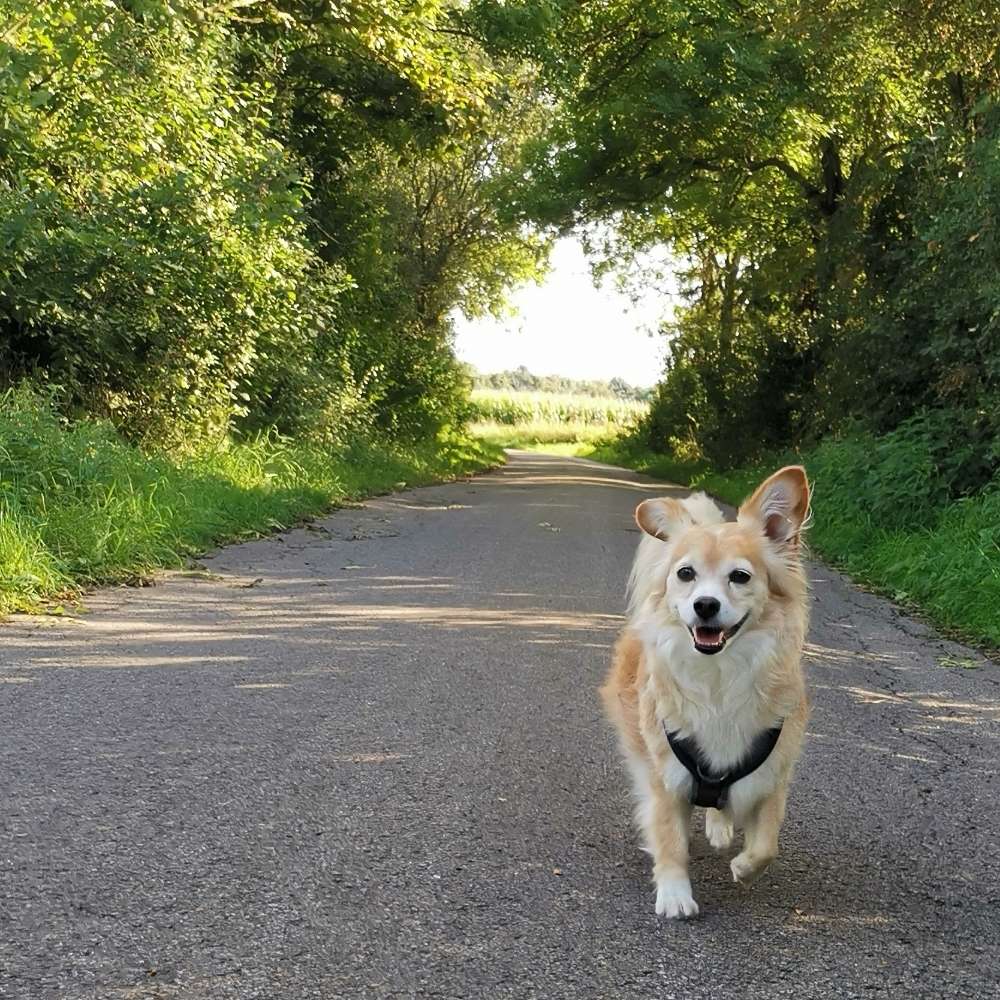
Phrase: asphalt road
x=365 y=759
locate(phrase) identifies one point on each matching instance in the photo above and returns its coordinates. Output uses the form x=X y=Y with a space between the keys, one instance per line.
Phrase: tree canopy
x=521 y=380
x=826 y=176
x=261 y=213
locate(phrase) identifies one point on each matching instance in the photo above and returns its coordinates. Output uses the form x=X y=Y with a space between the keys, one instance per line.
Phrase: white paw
x=746 y=869
x=674 y=900
x=718 y=829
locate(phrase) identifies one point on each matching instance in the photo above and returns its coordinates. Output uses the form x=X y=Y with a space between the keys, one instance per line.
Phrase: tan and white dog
x=706 y=688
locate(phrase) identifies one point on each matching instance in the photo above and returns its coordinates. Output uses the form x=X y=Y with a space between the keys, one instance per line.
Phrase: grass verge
x=879 y=515
x=79 y=506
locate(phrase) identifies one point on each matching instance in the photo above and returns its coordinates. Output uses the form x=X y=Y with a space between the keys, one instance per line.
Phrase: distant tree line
x=522 y=380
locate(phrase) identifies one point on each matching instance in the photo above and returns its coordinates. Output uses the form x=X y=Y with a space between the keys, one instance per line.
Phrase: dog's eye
x=739 y=576
x=686 y=573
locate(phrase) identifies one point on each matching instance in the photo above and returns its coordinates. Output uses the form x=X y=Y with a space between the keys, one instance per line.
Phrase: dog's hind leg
x=665 y=822
x=760 y=841
x=719 y=829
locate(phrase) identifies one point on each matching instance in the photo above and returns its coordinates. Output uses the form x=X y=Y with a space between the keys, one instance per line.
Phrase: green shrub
x=154 y=238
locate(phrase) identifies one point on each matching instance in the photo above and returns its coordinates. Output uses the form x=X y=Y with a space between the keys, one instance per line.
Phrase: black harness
x=709 y=788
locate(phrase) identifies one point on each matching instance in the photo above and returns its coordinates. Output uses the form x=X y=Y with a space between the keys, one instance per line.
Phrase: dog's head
x=715 y=578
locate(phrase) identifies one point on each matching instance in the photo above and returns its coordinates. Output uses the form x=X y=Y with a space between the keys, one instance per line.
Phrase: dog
x=706 y=688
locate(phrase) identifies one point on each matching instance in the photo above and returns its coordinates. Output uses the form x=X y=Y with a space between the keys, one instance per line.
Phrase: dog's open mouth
x=711 y=640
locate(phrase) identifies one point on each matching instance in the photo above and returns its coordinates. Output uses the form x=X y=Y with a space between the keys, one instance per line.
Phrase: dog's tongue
x=708 y=636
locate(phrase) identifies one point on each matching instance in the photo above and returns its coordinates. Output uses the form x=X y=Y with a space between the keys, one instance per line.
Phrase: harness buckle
x=709 y=793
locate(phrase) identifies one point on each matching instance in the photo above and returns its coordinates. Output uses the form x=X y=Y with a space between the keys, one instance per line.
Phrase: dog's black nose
x=706 y=607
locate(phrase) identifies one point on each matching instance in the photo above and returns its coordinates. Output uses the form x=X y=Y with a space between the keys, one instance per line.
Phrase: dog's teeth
x=708 y=636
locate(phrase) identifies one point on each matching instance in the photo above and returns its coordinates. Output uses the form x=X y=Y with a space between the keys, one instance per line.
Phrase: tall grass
x=883 y=513
x=512 y=418
x=79 y=506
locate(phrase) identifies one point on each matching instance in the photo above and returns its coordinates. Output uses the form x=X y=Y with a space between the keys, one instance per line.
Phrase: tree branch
x=808 y=188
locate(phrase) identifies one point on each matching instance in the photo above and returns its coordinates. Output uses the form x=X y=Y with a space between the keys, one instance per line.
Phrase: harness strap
x=710 y=789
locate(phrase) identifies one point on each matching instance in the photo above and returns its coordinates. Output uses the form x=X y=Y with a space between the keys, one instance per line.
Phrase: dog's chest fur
x=723 y=702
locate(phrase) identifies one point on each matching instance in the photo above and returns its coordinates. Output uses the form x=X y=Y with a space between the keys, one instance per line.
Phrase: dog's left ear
x=780 y=504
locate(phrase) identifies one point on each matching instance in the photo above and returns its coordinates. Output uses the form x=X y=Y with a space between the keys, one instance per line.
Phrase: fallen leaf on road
x=963 y=662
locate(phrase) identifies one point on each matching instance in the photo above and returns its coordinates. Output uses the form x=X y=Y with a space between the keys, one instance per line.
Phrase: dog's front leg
x=719 y=828
x=760 y=840
x=666 y=822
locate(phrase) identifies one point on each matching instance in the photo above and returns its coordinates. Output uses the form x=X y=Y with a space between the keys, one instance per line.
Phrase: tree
x=765 y=145
x=253 y=213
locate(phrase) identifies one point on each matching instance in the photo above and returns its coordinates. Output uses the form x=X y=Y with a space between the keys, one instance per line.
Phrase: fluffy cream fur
x=662 y=676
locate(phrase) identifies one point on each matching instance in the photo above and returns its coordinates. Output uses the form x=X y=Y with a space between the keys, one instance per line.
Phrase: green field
x=517 y=419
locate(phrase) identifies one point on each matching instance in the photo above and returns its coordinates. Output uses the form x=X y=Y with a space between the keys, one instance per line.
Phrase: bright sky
x=568 y=327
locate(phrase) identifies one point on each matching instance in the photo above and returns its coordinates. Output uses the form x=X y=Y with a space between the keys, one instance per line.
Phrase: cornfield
x=512 y=408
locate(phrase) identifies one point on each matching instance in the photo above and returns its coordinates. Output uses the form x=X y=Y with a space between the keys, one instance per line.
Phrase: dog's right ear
x=662 y=517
